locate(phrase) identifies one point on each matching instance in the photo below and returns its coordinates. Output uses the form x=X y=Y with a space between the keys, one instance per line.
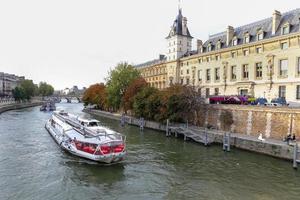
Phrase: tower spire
x=179 y=4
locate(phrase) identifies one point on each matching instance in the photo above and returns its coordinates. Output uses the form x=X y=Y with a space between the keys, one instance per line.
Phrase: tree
x=135 y=87
x=180 y=103
x=96 y=95
x=45 y=89
x=18 y=93
x=29 y=88
x=141 y=102
x=117 y=82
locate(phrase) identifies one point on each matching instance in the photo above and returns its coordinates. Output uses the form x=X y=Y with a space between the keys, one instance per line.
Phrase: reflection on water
x=32 y=166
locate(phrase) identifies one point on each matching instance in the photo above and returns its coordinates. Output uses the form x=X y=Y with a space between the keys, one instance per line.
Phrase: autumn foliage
x=96 y=95
x=133 y=89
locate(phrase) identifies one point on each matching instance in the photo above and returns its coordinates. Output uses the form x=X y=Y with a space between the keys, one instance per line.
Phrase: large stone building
x=8 y=82
x=261 y=59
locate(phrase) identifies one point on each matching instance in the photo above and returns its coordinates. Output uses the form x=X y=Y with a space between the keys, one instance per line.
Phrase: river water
x=32 y=166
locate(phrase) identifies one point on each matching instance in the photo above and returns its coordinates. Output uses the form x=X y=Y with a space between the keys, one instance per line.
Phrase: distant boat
x=49 y=106
x=86 y=138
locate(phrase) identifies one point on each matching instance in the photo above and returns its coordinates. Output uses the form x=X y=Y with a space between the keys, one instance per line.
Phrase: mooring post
x=224 y=141
x=205 y=135
x=123 y=120
x=295 y=164
x=167 y=128
x=228 y=142
x=141 y=124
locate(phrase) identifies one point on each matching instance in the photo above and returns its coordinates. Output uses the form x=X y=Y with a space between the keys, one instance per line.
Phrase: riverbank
x=16 y=106
x=271 y=147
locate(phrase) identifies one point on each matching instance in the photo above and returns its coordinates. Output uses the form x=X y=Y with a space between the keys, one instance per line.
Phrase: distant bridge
x=69 y=98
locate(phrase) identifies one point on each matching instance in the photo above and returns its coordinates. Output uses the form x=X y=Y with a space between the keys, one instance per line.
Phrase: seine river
x=32 y=166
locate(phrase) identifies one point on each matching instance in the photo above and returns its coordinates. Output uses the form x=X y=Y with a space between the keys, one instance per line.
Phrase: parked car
x=234 y=99
x=277 y=102
x=260 y=101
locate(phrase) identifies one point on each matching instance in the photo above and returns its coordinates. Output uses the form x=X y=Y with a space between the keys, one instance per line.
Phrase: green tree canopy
x=18 y=93
x=45 y=89
x=117 y=82
x=29 y=88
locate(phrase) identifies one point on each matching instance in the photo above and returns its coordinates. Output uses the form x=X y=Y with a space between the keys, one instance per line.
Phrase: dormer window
x=209 y=47
x=234 y=41
x=285 y=29
x=219 y=45
x=260 y=35
x=246 y=38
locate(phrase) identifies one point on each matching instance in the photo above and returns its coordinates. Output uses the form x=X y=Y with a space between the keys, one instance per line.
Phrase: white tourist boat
x=86 y=138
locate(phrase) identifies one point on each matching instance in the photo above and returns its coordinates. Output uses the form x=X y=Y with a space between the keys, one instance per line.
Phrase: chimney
x=199 y=46
x=230 y=34
x=184 y=26
x=276 y=21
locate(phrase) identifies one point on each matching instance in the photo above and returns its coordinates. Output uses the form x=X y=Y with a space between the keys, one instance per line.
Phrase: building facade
x=8 y=82
x=261 y=59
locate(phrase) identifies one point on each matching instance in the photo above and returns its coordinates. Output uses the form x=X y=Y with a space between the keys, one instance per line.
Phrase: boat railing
x=88 y=133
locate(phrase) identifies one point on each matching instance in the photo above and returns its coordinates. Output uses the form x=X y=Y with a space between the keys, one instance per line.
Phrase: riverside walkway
x=13 y=105
x=271 y=147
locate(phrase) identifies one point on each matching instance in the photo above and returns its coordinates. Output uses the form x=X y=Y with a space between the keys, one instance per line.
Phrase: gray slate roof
x=161 y=59
x=292 y=17
x=176 y=29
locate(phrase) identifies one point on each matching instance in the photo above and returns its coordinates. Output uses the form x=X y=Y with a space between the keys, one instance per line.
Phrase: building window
x=207 y=92
x=209 y=47
x=285 y=30
x=246 y=39
x=208 y=75
x=284 y=45
x=187 y=63
x=234 y=42
x=298 y=66
x=260 y=35
x=217 y=74
x=259 y=50
x=181 y=72
x=258 y=70
x=233 y=72
x=233 y=54
x=298 y=92
x=181 y=81
x=218 y=57
x=216 y=91
x=208 y=59
x=200 y=75
x=282 y=91
x=187 y=81
x=246 y=52
x=219 y=45
x=187 y=71
x=245 y=71
x=283 y=68
x=200 y=60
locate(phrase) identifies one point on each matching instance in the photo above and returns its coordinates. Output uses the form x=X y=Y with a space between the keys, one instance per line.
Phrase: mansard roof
x=291 y=17
x=160 y=60
x=176 y=29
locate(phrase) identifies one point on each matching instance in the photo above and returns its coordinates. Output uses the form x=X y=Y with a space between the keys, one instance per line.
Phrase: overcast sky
x=76 y=42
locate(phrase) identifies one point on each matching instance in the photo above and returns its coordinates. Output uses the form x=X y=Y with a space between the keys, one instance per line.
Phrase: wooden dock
x=200 y=136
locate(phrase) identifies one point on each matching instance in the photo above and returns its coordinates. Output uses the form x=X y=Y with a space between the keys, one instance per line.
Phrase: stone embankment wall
x=15 y=106
x=272 y=122
x=271 y=147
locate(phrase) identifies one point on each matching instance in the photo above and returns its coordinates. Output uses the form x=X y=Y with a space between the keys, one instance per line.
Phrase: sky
x=77 y=42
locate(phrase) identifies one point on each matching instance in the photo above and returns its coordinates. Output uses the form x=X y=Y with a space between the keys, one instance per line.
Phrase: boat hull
x=62 y=141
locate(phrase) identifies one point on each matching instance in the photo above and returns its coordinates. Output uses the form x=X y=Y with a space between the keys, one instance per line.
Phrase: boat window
x=93 y=124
